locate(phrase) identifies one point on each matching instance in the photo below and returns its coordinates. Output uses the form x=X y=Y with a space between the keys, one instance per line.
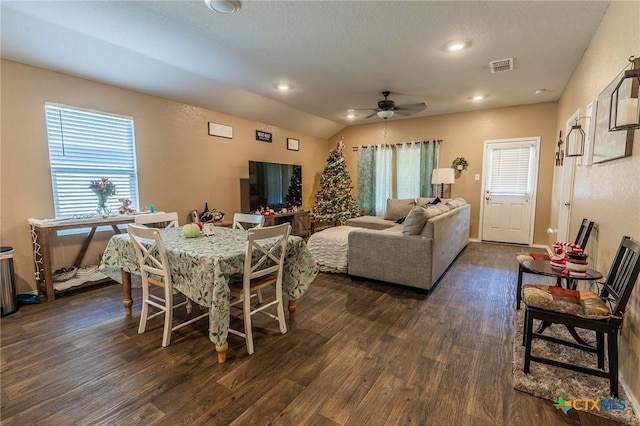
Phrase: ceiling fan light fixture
x=224 y=7
x=384 y=114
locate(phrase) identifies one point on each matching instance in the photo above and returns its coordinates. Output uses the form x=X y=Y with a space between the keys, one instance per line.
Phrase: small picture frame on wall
x=263 y=136
x=293 y=144
x=220 y=130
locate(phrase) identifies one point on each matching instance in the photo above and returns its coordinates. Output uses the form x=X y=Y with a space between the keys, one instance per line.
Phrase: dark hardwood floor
x=359 y=353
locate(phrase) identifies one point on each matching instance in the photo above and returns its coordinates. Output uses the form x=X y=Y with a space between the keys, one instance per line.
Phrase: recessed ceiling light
x=283 y=86
x=351 y=113
x=225 y=7
x=538 y=91
x=478 y=97
x=455 y=46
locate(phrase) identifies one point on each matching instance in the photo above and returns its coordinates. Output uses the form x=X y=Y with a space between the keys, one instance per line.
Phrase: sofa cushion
x=415 y=221
x=371 y=222
x=422 y=200
x=398 y=208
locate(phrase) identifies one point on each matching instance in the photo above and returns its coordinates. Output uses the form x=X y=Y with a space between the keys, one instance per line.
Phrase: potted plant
x=460 y=163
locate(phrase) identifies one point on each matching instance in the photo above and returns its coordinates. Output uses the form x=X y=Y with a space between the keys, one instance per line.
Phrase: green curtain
x=372 y=180
x=367 y=180
x=428 y=162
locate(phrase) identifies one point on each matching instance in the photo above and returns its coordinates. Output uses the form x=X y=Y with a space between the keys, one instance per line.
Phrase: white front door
x=510 y=172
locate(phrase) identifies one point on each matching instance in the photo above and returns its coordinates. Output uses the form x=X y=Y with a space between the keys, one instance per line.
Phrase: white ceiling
x=337 y=54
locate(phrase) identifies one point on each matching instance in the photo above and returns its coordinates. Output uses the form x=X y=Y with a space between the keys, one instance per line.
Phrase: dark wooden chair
x=581 y=241
x=601 y=313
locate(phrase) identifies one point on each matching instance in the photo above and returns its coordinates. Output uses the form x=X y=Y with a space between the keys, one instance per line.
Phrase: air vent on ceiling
x=501 y=65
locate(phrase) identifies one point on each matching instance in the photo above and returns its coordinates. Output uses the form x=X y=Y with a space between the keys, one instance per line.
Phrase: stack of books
x=87 y=270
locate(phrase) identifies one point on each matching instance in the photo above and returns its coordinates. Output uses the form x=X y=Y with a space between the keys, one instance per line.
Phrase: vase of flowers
x=103 y=188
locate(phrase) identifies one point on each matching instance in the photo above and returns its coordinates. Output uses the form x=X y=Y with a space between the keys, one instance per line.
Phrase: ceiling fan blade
x=371 y=115
x=411 y=107
x=402 y=112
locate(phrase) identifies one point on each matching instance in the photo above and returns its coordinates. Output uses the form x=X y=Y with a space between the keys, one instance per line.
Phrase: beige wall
x=463 y=135
x=608 y=193
x=179 y=165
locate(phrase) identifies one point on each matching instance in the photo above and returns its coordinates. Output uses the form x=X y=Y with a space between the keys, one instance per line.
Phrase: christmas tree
x=334 y=201
x=294 y=193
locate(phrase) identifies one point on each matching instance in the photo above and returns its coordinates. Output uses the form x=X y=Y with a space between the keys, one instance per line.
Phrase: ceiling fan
x=387 y=108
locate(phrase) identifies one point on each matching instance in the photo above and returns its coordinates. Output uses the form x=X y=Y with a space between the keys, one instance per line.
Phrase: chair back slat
x=151 y=253
x=241 y=220
x=583 y=233
x=168 y=220
x=623 y=275
x=269 y=260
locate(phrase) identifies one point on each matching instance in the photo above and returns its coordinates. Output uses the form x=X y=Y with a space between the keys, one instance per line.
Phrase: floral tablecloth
x=201 y=268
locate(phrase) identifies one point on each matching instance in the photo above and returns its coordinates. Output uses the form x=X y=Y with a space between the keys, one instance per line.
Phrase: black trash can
x=8 y=296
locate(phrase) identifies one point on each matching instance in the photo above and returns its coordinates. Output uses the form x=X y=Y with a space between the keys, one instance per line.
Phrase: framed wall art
x=293 y=144
x=220 y=130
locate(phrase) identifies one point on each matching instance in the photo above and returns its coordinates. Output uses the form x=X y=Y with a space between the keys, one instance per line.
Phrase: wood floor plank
x=360 y=352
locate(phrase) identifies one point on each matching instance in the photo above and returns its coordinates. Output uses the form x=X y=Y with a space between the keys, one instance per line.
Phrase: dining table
x=203 y=267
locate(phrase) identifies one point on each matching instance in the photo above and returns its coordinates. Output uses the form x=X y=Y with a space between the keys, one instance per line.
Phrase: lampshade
x=624 y=111
x=442 y=176
x=384 y=114
x=575 y=141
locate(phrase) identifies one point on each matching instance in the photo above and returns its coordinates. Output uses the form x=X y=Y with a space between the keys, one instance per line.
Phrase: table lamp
x=442 y=177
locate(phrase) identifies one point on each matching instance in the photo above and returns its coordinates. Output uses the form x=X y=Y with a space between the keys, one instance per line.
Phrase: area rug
x=552 y=383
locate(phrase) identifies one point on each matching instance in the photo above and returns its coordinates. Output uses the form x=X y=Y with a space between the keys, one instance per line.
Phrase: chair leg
x=168 y=317
x=527 y=347
x=524 y=327
x=189 y=306
x=612 y=349
x=259 y=296
x=247 y=323
x=519 y=287
x=145 y=310
x=600 y=349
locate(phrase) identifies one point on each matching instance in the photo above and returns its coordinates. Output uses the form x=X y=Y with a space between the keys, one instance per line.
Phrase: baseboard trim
x=634 y=401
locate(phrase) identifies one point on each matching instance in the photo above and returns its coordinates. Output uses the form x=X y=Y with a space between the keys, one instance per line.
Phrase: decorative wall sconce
x=560 y=151
x=460 y=164
x=575 y=141
x=624 y=111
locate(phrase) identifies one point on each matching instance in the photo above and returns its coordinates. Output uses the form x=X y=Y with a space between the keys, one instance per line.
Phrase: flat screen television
x=274 y=185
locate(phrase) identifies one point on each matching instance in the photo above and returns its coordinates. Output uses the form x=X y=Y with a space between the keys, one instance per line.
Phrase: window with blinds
x=511 y=171
x=84 y=146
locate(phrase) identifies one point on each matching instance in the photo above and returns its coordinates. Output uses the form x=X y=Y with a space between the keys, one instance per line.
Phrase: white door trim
x=534 y=196
x=567 y=180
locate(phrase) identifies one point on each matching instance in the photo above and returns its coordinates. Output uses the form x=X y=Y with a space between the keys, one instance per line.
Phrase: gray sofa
x=410 y=253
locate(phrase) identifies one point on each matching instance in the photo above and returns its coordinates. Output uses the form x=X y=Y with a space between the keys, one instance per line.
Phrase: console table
x=40 y=233
x=299 y=222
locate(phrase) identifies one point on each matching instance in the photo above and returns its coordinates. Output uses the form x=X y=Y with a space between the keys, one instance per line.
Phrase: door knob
x=567 y=204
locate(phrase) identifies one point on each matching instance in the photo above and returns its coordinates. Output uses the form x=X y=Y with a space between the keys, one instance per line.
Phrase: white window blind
x=84 y=146
x=511 y=171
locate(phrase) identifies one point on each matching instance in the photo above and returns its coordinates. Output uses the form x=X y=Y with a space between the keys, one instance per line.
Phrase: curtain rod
x=355 y=148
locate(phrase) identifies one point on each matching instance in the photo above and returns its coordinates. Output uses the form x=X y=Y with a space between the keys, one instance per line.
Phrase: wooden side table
x=40 y=232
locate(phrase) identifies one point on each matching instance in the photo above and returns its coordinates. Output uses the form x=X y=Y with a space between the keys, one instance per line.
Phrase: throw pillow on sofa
x=397 y=208
x=415 y=221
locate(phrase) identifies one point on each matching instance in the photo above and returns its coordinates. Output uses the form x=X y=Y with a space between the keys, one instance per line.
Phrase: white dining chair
x=263 y=267
x=154 y=270
x=169 y=220
x=246 y=221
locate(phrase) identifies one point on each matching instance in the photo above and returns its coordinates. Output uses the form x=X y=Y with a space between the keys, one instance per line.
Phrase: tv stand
x=299 y=222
